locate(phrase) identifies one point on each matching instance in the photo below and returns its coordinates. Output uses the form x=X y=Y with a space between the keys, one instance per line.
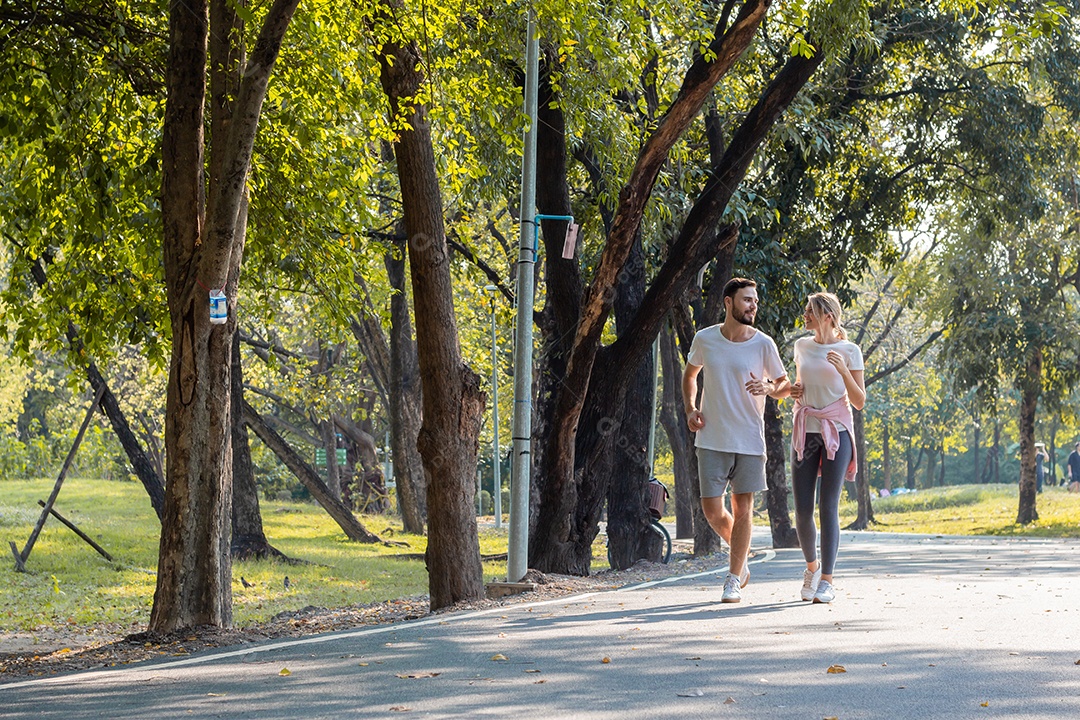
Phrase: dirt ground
x=51 y=651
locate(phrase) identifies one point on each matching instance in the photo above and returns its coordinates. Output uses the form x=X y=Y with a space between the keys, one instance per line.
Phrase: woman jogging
x=828 y=383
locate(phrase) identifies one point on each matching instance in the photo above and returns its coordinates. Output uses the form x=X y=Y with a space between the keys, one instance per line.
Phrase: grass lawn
x=68 y=583
x=973 y=510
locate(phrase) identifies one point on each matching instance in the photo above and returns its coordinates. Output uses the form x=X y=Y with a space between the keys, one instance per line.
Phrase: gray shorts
x=716 y=469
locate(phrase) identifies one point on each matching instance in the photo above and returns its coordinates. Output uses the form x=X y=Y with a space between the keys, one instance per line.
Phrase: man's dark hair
x=734 y=285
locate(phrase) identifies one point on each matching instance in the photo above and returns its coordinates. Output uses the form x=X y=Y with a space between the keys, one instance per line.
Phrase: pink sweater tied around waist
x=840 y=412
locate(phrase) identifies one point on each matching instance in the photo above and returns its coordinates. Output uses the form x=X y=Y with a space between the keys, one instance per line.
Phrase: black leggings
x=804 y=481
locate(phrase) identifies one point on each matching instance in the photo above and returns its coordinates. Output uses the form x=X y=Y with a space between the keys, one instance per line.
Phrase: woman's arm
x=853 y=380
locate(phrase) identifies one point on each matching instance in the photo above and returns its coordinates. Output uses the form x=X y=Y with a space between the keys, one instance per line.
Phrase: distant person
x=1041 y=456
x=741 y=366
x=1072 y=468
x=828 y=383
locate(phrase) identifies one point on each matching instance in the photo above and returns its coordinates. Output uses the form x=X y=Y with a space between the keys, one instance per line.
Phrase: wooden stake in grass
x=21 y=558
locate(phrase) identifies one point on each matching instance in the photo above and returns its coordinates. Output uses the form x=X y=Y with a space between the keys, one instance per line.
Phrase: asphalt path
x=922 y=627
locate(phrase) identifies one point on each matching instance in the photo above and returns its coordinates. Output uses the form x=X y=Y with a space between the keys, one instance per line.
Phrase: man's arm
x=694 y=419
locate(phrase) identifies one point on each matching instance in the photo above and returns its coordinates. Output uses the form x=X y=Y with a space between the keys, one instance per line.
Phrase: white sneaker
x=825 y=593
x=810 y=580
x=732 y=589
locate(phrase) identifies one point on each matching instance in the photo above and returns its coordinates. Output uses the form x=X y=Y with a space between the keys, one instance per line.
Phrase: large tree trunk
x=562 y=301
x=1030 y=386
x=194 y=570
x=453 y=402
x=309 y=478
x=682 y=443
x=630 y=537
x=248 y=537
x=783 y=534
x=203 y=246
x=559 y=522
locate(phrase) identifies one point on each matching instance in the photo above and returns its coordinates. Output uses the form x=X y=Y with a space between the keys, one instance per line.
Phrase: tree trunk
x=1051 y=472
x=630 y=537
x=996 y=469
x=559 y=522
x=1030 y=386
x=393 y=367
x=309 y=478
x=682 y=447
x=886 y=455
x=406 y=401
x=453 y=402
x=194 y=569
x=941 y=467
x=248 y=537
x=865 y=516
x=783 y=534
x=371 y=495
x=562 y=301
x=975 y=443
x=203 y=247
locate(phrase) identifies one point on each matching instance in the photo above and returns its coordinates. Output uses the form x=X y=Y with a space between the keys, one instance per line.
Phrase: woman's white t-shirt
x=732 y=415
x=822 y=383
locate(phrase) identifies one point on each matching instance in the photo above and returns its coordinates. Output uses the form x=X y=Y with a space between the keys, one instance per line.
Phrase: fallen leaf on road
x=606 y=660
x=836 y=669
x=414 y=676
x=1077 y=662
x=539 y=682
x=499 y=657
x=502 y=635
x=362 y=664
x=729 y=701
x=285 y=671
x=692 y=692
x=985 y=704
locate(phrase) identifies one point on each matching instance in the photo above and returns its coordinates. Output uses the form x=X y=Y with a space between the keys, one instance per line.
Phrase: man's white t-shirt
x=822 y=383
x=732 y=415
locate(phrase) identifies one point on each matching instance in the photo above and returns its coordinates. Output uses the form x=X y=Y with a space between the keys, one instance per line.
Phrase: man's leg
x=742 y=506
x=720 y=520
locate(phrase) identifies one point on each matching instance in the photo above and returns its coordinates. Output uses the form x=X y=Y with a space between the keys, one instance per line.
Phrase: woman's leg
x=804 y=474
x=832 y=483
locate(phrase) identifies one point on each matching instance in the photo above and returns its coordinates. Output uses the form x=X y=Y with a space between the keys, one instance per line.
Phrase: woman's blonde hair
x=825 y=303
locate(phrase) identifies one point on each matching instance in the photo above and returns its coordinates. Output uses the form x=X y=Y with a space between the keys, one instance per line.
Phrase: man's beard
x=741 y=317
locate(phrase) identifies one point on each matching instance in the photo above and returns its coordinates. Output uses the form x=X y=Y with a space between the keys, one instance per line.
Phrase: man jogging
x=741 y=367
